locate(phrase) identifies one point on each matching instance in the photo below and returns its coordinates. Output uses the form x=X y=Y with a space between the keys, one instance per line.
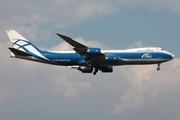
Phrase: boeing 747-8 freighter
x=84 y=58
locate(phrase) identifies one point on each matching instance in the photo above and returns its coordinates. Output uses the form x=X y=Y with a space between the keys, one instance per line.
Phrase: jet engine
x=112 y=59
x=106 y=69
x=86 y=69
x=94 y=51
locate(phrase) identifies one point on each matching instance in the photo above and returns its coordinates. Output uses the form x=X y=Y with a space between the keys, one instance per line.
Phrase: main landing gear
x=158 y=68
x=95 y=71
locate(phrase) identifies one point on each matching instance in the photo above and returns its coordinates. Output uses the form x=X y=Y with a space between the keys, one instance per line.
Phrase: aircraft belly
x=136 y=62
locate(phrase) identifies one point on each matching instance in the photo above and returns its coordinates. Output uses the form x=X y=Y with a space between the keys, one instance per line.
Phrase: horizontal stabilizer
x=18 y=52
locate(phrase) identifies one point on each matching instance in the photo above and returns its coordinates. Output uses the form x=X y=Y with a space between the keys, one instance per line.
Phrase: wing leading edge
x=77 y=46
x=82 y=49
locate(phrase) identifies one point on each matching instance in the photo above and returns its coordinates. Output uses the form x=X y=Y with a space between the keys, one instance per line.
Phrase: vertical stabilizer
x=13 y=35
x=22 y=47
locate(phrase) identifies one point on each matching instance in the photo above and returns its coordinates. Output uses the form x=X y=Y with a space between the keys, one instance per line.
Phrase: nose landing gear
x=158 y=68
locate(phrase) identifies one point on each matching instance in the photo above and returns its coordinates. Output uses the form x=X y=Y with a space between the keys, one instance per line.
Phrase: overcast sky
x=35 y=91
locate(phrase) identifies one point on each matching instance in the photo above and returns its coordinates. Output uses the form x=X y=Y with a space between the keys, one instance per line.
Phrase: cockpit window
x=162 y=49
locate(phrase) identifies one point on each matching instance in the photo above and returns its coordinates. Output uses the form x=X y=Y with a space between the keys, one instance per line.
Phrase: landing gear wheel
x=95 y=71
x=158 y=68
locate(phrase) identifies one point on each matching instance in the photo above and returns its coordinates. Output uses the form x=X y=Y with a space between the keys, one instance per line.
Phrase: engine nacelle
x=94 y=51
x=112 y=59
x=107 y=69
x=86 y=69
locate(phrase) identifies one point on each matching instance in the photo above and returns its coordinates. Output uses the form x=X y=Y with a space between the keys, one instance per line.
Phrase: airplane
x=86 y=59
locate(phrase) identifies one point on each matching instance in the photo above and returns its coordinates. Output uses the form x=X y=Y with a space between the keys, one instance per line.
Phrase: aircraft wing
x=77 y=46
x=83 y=50
x=91 y=57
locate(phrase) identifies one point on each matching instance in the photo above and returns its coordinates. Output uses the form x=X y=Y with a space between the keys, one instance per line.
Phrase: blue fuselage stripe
x=76 y=59
x=72 y=58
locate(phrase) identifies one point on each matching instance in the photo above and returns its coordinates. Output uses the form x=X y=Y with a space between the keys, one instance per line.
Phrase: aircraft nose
x=173 y=56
